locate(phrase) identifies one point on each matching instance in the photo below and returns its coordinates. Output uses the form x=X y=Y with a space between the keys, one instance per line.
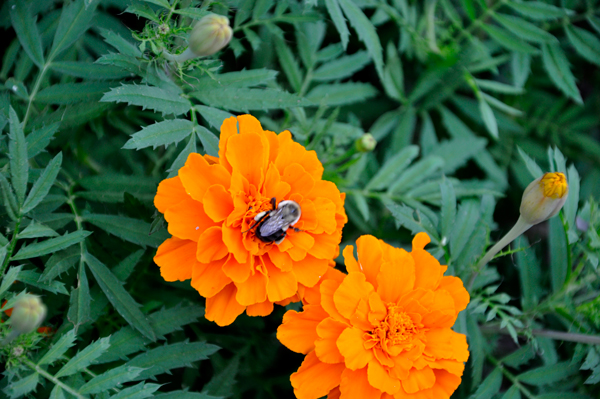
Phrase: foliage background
x=465 y=97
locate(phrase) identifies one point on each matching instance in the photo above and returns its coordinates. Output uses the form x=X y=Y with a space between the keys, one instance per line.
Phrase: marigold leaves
x=490 y=386
x=9 y=278
x=89 y=71
x=468 y=214
x=549 y=374
x=341 y=93
x=213 y=116
x=27 y=31
x=70 y=93
x=457 y=152
x=36 y=230
x=393 y=168
x=236 y=79
x=17 y=152
x=209 y=141
x=132 y=230
x=79 y=302
x=539 y=11
x=60 y=262
x=339 y=21
x=525 y=30
x=43 y=184
x=110 y=379
x=119 y=297
x=418 y=172
x=23 y=385
x=178 y=163
x=139 y=391
x=557 y=65
x=164 y=358
x=289 y=64
x=39 y=139
x=586 y=43
x=489 y=119
x=51 y=245
x=160 y=133
x=74 y=21
x=404 y=216
x=150 y=97
x=508 y=40
x=448 y=211
x=559 y=258
x=84 y=358
x=342 y=68
x=246 y=99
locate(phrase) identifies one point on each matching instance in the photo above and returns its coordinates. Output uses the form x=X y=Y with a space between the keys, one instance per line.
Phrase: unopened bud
x=366 y=143
x=27 y=315
x=544 y=197
x=210 y=35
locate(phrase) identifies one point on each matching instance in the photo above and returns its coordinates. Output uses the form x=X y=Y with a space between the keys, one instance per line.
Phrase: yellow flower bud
x=27 y=314
x=366 y=143
x=544 y=197
x=210 y=35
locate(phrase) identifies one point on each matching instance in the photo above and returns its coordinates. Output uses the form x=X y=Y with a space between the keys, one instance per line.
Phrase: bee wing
x=273 y=224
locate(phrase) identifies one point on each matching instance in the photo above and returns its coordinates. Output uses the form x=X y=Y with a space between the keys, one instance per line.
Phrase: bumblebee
x=271 y=226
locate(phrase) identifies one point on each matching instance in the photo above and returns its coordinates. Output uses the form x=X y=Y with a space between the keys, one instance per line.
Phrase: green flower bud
x=210 y=35
x=366 y=143
x=27 y=315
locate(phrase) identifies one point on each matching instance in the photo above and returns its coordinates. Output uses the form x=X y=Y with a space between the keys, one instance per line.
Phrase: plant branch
x=559 y=335
x=511 y=377
x=50 y=377
x=11 y=248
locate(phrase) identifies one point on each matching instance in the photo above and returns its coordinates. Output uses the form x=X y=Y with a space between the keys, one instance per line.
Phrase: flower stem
x=186 y=55
x=50 y=377
x=519 y=228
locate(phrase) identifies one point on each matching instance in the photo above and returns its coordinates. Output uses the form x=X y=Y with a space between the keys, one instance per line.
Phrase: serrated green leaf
x=339 y=21
x=84 y=358
x=488 y=117
x=10 y=201
x=548 y=374
x=209 y=141
x=79 y=303
x=39 y=139
x=498 y=87
x=109 y=187
x=448 y=211
x=43 y=184
x=529 y=274
x=558 y=253
x=167 y=357
x=111 y=378
x=74 y=21
x=508 y=40
x=238 y=79
x=23 y=385
x=520 y=356
x=27 y=31
x=57 y=393
x=60 y=262
x=123 y=62
x=405 y=216
x=525 y=30
x=88 y=71
x=161 y=133
x=532 y=166
x=539 y=10
x=289 y=64
x=244 y=100
x=586 y=44
x=341 y=68
x=457 y=152
x=366 y=32
x=143 y=10
x=361 y=204
x=213 y=116
x=119 y=297
x=499 y=105
x=572 y=203
x=59 y=348
x=123 y=343
x=557 y=66
x=195 y=13
x=341 y=93
x=393 y=79
x=178 y=163
x=120 y=43
x=150 y=97
x=11 y=276
x=36 y=230
x=490 y=385
x=139 y=391
x=468 y=214
x=417 y=173
x=132 y=230
x=70 y=93
x=221 y=384
x=51 y=245
x=392 y=168
x=17 y=152
x=31 y=277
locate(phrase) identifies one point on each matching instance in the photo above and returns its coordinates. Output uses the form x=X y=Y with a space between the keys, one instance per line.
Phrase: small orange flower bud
x=27 y=315
x=544 y=197
x=210 y=35
x=366 y=143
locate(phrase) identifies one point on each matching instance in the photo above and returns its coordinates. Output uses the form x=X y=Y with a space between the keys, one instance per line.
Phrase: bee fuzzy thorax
x=271 y=226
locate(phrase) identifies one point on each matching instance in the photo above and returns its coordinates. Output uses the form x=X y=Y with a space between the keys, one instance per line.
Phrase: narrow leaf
x=417 y=173
x=342 y=68
x=132 y=230
x=17 y=152
x=84 y=358
x=339 y=21
x=139 y=391
x=111 y=378
x=392 y=168
x=161 y=133
x=70 y=93
x=27 y=31
x=557 y=66
x=59 y=348
x=39 y=139
x=150 y=97
x=74 y=21
x=341 y=93
x=60 y=262
x=209 y=141
x=22 y=386
x=11 y=276
x=525 y=30
x=243 y=100
x=539 y=10
x=43 y=184
x=79 y=303
x=448 y=208
x=36 y=230
x=289 y=64
x=508 y=40
x=51 y=245
x=89 y=71
x=586 y=44
x=489 y=119
x=213 y=116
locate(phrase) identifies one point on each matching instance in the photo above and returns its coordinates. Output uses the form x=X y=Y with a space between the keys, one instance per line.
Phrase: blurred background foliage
x=469 y=101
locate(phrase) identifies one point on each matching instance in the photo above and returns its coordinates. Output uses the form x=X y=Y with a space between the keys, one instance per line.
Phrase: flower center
x=396 y=330
x=554 y=185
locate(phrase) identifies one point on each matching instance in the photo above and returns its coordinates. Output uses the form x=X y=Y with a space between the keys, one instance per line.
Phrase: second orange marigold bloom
x=211 y=205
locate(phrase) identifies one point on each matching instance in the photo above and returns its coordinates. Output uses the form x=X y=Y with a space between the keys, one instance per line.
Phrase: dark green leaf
x=59 y=348
x=132 y=230
x=17 y=152
x=178 y=163
x=43 y=184
x=124 y=46
x=39 y=139
x=289 y=64
x=51 y=245
x=417 y=173
x=339 y=21
x=112 y=378
x=139 y=391
x=586 y=44
x=539 y=10
x=525 y=30
x=244 y=100
x=209 y=141
x=60 y=262
x=550 y=374
x=341 y=93
x=74 y=21
x=508 y=40
x=89 y=71
x=32 y=278
x=150 y=97
x=213 y=116
x=22 y=386
x=84 y=358
x=70 y=93
x=11 y=276
x=393 y=168
x=558 y=253
x=27 y=31
x=79 y=303
x=161 y=133
x=448 y=211
x=342 y=68
x=557 y=66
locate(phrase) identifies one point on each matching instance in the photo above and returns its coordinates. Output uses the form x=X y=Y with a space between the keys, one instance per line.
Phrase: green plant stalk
x=36 y=88
x=50 y=377
x=558 y=335
x=511 y=377
x=11 y=248
x=477 y=22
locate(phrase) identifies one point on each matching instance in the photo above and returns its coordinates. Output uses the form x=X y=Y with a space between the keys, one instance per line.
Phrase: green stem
x=50 y=377
x=511 y=377
x=36 y=88
x=11 y=248
x=477 y=22
x=558 y=335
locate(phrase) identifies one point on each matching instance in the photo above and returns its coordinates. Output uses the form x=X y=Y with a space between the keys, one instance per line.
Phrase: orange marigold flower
x=383 y=331
x=211 y=206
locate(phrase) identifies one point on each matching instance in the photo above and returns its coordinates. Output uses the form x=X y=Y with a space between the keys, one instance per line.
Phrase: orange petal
x=229 y=128
x=350 y=260
x=253 y=290
x=218 y=203
x=299 y=180
x=273 y=187
x=441 y=311
x=452 y=366
x=315 y=378
x=273 y=145
x=350 y=292
x=360 y=318
x=281 y=259
x=232 y=237
x=301 y=243
x=249 y=124
x=370 y=256
x=211 y=246
x=281 y=285
x=380 y=378
x=176 y=258
x=444 y=343
x=298 y=331
x=187 y=219
x=222 y=308
x=396 y=277
x=309 y=270
x=197 y=176
x=309 y=220
x=292 y=152
x=170 y=192
x=210 y=159
x=351 y=346
x=238 y=272
x=329 y=331
x=334 y=393
x=420 y=240
x=445 y=384
x=248 y=154
x=327 y=290
x=427 y=269
x=260 y=309
x=455 y=287
x=326 y=211
x=418 y=380
x=355 y=385
x=325 y=245
x=209 y=279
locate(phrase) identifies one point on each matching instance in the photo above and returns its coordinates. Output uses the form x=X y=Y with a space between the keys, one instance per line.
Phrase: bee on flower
x=251 y=227
x=383 y=331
